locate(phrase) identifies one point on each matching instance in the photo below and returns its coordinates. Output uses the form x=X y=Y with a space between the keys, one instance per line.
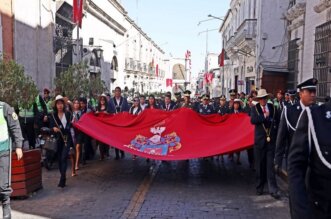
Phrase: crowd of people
x=276 y=121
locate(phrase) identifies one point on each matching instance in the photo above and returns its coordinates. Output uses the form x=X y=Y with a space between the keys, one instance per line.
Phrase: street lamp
x=98 y=52
x=209 y=15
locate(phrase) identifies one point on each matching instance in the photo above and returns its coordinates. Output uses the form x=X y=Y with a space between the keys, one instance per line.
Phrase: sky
x=173 y=25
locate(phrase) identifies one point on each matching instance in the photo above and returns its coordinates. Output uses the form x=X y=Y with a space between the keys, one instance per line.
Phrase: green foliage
x=16 y=87
x=76 y=82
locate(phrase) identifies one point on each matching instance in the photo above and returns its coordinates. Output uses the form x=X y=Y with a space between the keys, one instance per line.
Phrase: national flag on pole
x=78 y=12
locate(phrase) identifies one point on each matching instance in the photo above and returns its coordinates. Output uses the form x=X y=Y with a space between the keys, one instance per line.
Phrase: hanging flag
x=176 y=135
x=221 y=58
x=78 y=12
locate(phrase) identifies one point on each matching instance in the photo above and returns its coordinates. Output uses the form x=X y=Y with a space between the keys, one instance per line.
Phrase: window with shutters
x=293 y=64
x=322 y=60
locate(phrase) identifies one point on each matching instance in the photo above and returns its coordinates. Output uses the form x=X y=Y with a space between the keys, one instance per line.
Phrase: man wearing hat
x=233 y=95
x=289 y=119
x=205 y=108
x=178 y=102
x=291 y=97
x=9 y=128
x=187 y=100
x=223 y=108
x=264 y=117
x=309 y=168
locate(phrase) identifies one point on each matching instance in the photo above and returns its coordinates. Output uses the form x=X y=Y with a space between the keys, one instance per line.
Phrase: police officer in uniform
x=9 y=129
x=292 y=98
x=309 y=160
x=290 y=117
x=205 y=108
x=223 y=108
x=264 y=117
x=187 y=100
x=178 y=102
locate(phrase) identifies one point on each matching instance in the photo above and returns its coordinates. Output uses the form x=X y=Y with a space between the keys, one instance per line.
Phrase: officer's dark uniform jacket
x=222 y=110
x=189 y=105
x=287 y=125
x=314 y=199
x=206 y=109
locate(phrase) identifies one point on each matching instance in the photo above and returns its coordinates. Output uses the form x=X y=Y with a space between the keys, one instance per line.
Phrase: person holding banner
x=118 y=104
x=264 y=117
x=9 y=130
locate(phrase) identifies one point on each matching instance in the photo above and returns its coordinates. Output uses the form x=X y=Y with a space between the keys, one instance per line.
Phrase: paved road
x=137 y=189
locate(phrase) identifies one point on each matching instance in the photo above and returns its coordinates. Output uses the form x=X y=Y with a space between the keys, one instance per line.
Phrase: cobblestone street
x=137 y=189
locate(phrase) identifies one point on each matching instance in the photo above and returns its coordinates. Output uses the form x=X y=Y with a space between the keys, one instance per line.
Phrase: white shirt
x=64 y=121
x=135 y=110
x=118 y=100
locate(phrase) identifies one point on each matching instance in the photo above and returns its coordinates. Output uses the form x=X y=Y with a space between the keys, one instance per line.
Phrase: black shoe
x=6 y=211
x=117 y=157
x=258 y=192
x=62 y=183
x=275 y=195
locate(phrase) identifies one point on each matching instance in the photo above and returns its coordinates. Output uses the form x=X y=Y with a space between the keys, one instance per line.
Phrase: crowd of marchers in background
x=275 y=119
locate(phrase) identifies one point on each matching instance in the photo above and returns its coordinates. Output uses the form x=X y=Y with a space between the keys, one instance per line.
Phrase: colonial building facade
x=277 y=44
x=46 y=42
x=253 y=33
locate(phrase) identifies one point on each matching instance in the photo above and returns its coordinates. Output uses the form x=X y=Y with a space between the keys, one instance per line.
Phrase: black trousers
x=28 y=130
x=117 y=153
x=63 y=152
x=264 y=165
x=250 y=155
x=5 y=173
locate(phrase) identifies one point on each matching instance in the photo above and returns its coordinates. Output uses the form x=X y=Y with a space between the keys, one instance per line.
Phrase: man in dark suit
x=309 y=169
x=264 y=117
x=118 y=104
x=168 y=105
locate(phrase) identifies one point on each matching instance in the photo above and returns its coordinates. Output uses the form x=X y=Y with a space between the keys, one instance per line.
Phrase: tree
x=16 y=88
x=76 y=82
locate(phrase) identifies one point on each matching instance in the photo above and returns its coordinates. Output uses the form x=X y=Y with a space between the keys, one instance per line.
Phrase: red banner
x=77 y=12
x=177 y=135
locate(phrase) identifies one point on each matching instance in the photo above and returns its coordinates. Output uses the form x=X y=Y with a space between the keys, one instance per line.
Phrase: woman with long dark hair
x=135 y=108
x=60 y=123
x=102 y=108
x=152 y=103
x=77 y=135
x=237 y=108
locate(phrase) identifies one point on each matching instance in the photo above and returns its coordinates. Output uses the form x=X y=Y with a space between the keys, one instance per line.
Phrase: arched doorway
x=178 y=72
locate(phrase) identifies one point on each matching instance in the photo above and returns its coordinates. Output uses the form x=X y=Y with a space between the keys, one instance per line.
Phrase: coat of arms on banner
x=157 y=144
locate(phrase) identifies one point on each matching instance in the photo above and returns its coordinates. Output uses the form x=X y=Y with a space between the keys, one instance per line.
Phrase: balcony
x=244 y=37
x=296 y=9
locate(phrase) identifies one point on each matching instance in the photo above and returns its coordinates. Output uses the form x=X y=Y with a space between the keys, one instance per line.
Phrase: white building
x=310 y=43
x=252 y=32
x=27 y=37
